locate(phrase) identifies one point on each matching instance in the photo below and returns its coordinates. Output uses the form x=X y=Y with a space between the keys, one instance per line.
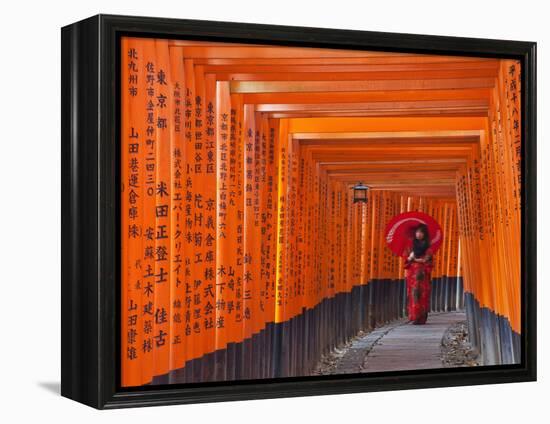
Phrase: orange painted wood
x=237 y=168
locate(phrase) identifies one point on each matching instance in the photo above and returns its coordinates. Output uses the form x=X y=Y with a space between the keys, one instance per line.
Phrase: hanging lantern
x=360 y=193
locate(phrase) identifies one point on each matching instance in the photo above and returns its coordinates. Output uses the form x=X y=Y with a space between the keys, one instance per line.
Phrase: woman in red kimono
x=418 y=270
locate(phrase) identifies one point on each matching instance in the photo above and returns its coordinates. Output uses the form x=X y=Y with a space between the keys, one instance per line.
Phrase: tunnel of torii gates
x=243 y=254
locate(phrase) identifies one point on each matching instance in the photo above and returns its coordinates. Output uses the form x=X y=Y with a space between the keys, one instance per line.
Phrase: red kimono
x=418 y=278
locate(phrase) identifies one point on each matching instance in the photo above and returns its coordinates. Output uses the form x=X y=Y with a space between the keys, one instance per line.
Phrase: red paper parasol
x=400 y=231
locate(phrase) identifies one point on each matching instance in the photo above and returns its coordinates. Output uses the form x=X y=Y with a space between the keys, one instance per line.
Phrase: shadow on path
x=397 y=346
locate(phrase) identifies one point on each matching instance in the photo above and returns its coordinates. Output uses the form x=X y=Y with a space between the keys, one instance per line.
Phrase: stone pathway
x=399 y=346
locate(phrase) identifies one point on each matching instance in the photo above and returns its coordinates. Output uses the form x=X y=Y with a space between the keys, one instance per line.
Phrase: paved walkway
x=399 y=346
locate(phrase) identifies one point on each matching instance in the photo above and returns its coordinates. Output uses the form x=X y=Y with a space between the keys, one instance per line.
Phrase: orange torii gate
x=240 y=237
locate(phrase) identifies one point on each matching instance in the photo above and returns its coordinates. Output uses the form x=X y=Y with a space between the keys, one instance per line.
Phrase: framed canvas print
x=254 y=211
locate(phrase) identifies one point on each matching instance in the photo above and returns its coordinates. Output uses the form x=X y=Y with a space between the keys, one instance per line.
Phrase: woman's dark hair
x=420 y=246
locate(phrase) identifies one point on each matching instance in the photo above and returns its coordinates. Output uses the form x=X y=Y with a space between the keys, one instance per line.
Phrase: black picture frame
x=90 y=210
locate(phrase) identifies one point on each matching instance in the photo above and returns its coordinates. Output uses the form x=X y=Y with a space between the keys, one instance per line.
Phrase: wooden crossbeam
x=328 y=86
